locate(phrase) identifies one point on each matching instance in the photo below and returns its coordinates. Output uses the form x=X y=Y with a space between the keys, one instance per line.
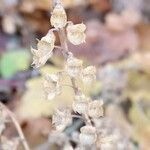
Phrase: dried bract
x=52 y=86
x=74 y=67
x=59 y=17
x=88 y=135
x=95 y=109
x=80 y=103
x=58 y=138
x=62 y=118
x=45 y=48
x=89 y=74
x=75 y=33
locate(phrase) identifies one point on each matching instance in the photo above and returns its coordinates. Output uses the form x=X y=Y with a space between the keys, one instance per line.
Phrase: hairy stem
x=18 y=128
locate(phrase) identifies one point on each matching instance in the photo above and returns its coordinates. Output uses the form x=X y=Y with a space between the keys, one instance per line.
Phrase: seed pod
x=49 y=38
x=74 y=66
x=59 y=17
x=88 y=135
x=88 y=74
x=75 y=33
x=45 y=48
x=62 y=118
x=80 y=104
x=52 y=86
x=95 y=109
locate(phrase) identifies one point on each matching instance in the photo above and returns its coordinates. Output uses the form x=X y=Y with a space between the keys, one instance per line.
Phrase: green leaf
x=14 y=61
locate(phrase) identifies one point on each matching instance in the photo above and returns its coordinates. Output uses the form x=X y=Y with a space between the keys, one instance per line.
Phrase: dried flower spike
x=52 y=86
x=62 y=118
x=80 y=103
x=89 y=74
x=75 y=33
x=59 y=17
x=45 y=48
x=74 y=66
x=95 y=109
x=88 y=135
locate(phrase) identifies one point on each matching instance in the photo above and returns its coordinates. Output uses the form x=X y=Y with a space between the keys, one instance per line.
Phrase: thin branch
x=18 y=128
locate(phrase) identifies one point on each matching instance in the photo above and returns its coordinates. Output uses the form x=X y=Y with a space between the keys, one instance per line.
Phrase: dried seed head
x=80 y=104
x=88 y=135
x=62 y=118
x=58 y=138
x=74 y=66
x=49 y=38
x=52 y=86
x=45 y=48
x=89 y=74
x=95 y=109
x=59 y=17
x=75 y=33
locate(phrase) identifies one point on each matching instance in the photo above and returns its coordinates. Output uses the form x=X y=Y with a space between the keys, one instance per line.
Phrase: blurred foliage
x=13 y=61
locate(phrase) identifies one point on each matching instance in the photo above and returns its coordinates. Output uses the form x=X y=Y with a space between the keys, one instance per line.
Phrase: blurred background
x=117 y=43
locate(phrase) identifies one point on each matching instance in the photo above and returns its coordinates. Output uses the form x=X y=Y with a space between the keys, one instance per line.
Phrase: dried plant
x=83 y=107
x=6 y=116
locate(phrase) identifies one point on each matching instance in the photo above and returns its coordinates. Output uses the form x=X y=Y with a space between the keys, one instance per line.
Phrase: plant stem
x=18 y=128
x=63 y=42
x=65 y=51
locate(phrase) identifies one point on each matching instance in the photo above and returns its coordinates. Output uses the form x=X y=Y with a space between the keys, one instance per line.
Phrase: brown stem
x=18 y=128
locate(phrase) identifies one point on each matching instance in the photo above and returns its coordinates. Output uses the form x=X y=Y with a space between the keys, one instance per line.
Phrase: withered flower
x=59 y=17
x=62 y=118
x=74 y=66
x=88 y=135
x=44 y=50
x=52 y=86
x=95 y=109
x=80 y=103
x=76 y=33
x=89 y=74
